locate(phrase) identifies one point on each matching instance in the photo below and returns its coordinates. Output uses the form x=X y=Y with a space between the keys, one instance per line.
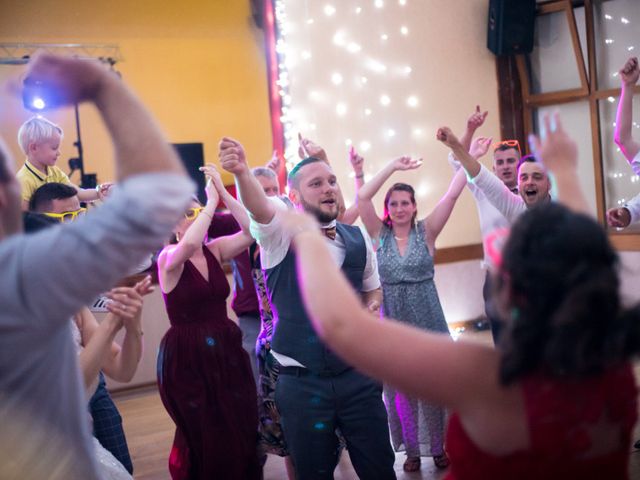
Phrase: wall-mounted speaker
x=510 y=29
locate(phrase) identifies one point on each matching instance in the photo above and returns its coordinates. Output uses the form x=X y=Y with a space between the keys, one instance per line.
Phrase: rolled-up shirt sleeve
x=633 y=206
x=63 y=268
x=499 y=195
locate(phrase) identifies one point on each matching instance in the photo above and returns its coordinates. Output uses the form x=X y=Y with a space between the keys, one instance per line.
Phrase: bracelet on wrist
x=360 y=175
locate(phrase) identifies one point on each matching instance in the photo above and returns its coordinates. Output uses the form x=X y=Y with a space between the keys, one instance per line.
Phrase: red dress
x=205 y=381
x=566 y=420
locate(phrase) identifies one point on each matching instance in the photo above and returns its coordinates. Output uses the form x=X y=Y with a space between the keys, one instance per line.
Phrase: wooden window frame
x=518 y=106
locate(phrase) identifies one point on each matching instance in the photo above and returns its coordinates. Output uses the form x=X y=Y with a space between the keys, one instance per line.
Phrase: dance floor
x=149 y=432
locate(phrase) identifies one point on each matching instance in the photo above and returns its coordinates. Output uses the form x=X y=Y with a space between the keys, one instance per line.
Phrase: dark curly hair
x=398 y=187
x=566 y=317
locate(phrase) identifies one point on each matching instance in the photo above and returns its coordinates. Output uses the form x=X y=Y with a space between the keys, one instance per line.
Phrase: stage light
x=38 y=103
x=35 y=96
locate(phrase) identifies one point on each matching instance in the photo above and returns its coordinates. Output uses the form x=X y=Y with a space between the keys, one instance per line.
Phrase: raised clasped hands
x=126 y=302
x=231 y=156
x=214 y=187
x=68 y=80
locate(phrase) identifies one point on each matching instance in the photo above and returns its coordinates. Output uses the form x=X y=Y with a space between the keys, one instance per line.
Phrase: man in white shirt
x=48 y=276
x=503 y=188
x=316 y=391
x=622 y=217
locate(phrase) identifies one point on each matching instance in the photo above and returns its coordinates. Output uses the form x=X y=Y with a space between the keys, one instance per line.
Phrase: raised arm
x=97 y=340
x=94 y=252
x=559 y=154
x=139 y=144
x=471 y=164
x=233 y=160
x=624 y=118
x=173 y=257
x=357 y=163
x=428 y=365
x=370 y=218
x=228 y=246
x=475 y=121
x=437 y=219
x=100 y=352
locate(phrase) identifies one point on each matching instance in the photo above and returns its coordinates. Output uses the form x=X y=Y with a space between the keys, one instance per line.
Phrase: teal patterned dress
x=410 y=296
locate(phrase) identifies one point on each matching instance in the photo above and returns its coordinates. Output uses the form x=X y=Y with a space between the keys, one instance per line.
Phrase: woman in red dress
x=204 y=374
x=557 y=398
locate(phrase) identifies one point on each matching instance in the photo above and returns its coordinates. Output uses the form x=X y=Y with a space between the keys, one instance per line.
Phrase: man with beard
x=316 y=391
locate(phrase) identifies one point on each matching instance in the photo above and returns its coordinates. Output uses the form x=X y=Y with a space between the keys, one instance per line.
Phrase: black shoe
x=637 y=445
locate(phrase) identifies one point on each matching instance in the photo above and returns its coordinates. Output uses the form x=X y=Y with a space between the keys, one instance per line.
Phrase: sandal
x=441 y=461
x=411 y=464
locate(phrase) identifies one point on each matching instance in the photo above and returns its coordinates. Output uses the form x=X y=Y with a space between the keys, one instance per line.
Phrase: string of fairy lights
x=359 y=77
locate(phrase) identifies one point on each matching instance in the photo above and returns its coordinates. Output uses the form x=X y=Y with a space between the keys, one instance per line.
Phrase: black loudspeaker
x=192 y=156
x=511 y=24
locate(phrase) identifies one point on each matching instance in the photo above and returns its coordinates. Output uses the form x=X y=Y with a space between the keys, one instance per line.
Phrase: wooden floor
x=149 y=432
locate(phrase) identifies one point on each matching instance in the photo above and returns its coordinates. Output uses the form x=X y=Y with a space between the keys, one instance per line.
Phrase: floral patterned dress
x=410 y=296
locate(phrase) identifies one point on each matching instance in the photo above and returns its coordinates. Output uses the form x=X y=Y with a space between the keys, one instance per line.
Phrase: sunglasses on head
x=67 y=216
x=192 y=213
x=508 y=143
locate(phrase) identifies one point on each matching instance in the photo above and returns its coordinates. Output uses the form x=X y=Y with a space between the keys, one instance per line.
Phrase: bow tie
x=329 y=232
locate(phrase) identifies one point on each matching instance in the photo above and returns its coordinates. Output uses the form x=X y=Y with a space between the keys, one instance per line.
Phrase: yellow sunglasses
x=65 y=217
x=192 y=213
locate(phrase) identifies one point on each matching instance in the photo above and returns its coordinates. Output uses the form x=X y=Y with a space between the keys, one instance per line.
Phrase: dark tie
x=330 y=232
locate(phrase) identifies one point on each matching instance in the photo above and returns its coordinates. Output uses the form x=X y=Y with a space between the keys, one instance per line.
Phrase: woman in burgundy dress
x=557 y=398
x=204 y=374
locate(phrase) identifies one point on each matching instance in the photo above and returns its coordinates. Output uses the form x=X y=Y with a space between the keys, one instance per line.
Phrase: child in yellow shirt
x=40 y=141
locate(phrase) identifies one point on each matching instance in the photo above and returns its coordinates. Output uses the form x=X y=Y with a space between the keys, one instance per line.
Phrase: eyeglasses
x=192 y=213
x=65 y=217
x=508 y=143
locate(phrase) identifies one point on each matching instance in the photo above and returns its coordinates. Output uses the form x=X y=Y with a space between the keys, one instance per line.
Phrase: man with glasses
x=60 y=202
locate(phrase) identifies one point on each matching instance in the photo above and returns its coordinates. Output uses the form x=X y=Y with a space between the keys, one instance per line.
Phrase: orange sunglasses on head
x=508 y=143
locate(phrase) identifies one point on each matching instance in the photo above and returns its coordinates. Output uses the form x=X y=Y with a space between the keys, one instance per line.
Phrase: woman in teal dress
x=404 y=250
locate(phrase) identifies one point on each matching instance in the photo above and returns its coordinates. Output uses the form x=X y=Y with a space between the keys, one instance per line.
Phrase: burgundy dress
x=578 y=429
x=205 y=381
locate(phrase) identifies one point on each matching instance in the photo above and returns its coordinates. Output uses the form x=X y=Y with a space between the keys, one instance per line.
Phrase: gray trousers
x=312 y=407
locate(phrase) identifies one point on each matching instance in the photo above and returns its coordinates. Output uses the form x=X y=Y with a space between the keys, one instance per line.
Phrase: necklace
x=398 y=238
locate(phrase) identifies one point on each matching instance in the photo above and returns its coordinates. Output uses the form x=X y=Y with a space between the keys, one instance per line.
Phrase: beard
x=322 y=216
